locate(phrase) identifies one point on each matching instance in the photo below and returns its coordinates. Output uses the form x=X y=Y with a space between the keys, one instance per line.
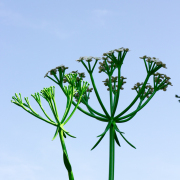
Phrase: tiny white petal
x=97 y=58
x=120 y=49
x=87 y=57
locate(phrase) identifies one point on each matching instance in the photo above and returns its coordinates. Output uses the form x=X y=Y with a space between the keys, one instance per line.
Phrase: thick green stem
x=71 y=176
x=111 y=153
x=70 y=173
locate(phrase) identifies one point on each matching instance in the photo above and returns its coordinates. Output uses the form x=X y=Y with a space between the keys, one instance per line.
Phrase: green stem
x=110 y=93
x=111 y=153
x=82 y=110
x=74 y=108
x=135 y=99
x=68 y=106
x=45 y=113
x=118 y=92
x=92 y=110
x=138 y=109
x=129 y=118
x=85 y=112
x=98 y=97
x=146 y=66
x=70 y=173
x=36 y=115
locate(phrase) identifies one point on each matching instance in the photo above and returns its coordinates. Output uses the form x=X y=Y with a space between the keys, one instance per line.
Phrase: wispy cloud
x=16 y=168
x=11 y=18
x=101 y=16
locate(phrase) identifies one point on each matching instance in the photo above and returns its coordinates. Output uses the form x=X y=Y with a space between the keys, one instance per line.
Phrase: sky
x=37 y=36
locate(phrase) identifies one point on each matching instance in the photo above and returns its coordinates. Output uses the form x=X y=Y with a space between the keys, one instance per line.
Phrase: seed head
x=80 y=59
x=119 y=50
x=62 y=67
x=81 y=75
x=89 y=89
x=155 y=60
x=52 y=71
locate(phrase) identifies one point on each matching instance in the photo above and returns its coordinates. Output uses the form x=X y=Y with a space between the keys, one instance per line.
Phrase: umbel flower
x=53 y=71
x=155 y=60
x=118 y=61
x=138 y=87
x=77 y=81
x=114 y=80
x=79 y=90
x=87 y=58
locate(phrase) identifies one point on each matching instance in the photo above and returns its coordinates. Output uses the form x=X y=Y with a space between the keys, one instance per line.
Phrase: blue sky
x=37 y=36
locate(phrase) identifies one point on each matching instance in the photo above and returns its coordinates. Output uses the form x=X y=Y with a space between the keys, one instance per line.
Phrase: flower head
x=161 y=78
x=119 y=50
x=88 y=58
x=114 y=80
x=138 y=87
x=62 y=67
x=52 y=71
x=80 y=59
x=155 y=60
x=108 y=53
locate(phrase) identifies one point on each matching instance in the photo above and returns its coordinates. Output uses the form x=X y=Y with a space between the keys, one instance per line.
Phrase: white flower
x=46 y=74
x=97 y=58
x=110 y=52
x=80 y=59
x=87 y=57
x=118 y=50
x=155 y=60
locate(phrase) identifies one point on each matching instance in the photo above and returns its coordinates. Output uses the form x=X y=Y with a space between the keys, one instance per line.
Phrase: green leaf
x=116 y=128
x=128 y=141
x=70 y=135
x=64 y=134
x=103 y=134
x=107 y=128
x=66 y=162
x=61 y=126
x=56 y=133
x=124 y=137
x=116 y=138
x=97 y=142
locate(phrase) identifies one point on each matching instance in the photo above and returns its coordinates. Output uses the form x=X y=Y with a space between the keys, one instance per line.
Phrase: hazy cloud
x=8 y=17
x=12 y=167
x=101 y=16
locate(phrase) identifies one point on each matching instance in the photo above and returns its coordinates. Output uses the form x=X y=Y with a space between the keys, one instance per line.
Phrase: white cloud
x=12 y=167
x=8 y=17
x=101 y=16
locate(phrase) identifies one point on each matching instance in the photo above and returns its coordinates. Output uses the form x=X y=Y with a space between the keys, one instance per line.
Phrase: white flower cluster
x=160 y=79
x=114 y=79
x=117 y=50
x=88 y=58
x=155 y=60
x=62 y=67
x=138 y=87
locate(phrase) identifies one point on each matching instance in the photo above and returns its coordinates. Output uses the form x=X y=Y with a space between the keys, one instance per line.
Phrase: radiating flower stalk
x=114 y=83
x=49 y=95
